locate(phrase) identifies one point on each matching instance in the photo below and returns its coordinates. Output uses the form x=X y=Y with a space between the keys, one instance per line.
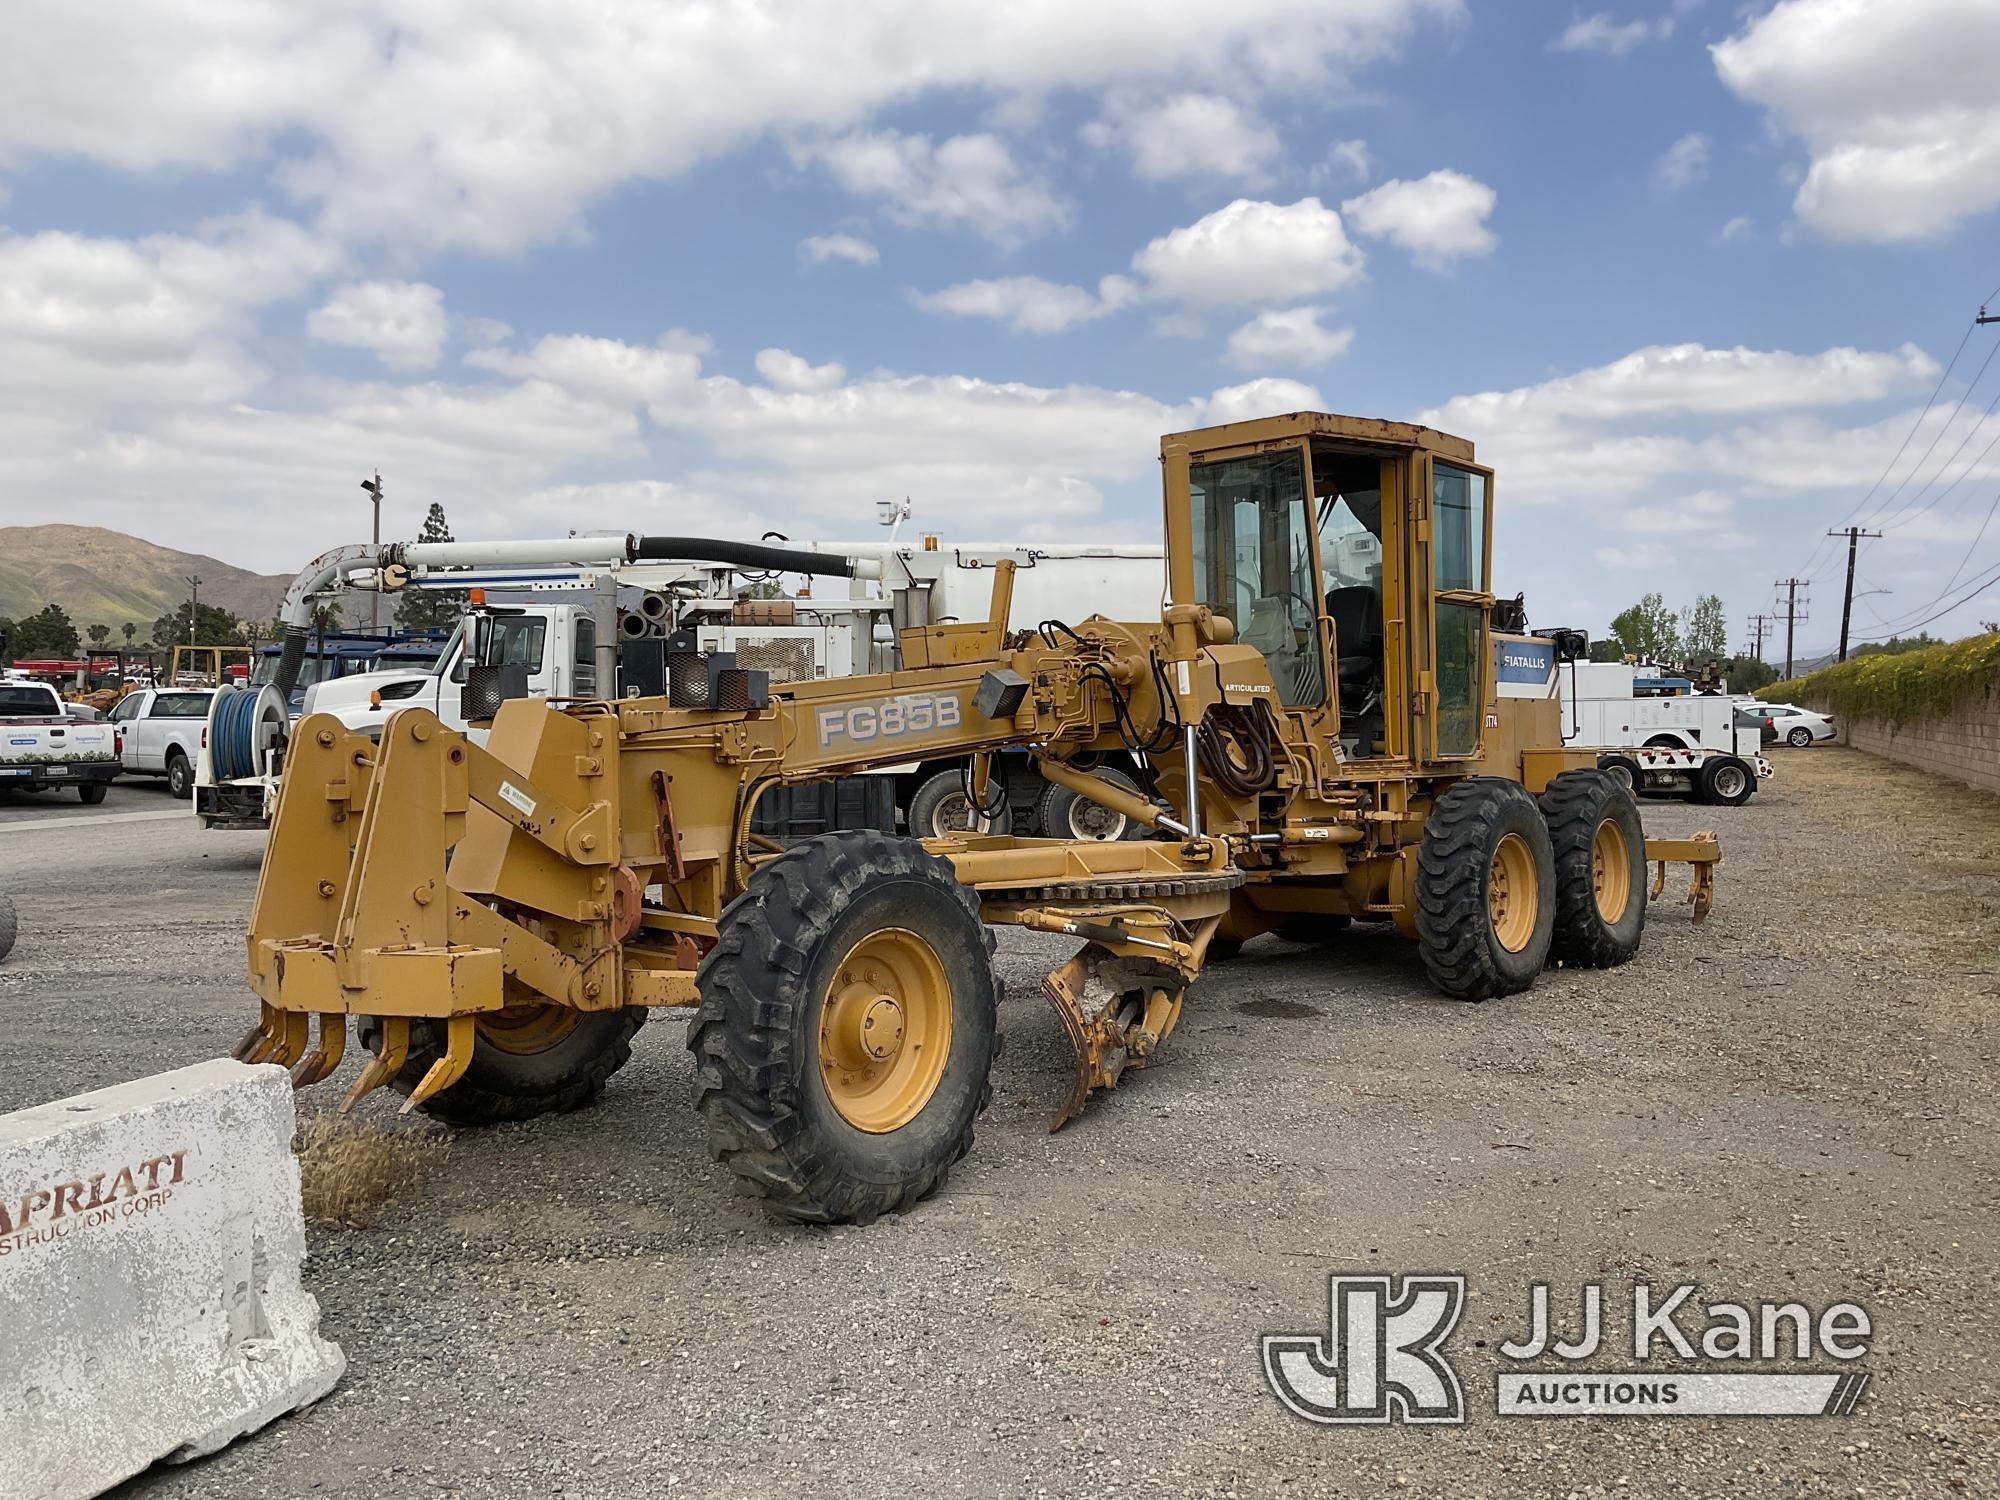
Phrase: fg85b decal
x=888 y=718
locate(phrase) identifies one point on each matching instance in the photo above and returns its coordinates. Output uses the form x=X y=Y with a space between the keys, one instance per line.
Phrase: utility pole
x=1853 y=534
x=1791 y=586
x=194 y=604
x=374 y=488
x=1755 y=624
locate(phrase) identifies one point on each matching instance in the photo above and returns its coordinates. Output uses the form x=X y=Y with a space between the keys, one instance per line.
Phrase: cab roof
x=1291 y=426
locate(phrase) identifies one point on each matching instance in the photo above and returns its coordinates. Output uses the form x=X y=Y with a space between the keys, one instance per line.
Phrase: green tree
x=99 y=634
x=1648 y=631
x=212 y=627
x=427 y=609
x=128 y=630
x=47 y=632
x=1704 y=633
x=326 y=616
x=1746 y=674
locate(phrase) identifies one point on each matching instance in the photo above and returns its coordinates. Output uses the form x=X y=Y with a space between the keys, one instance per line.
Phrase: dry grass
x=347 y=1167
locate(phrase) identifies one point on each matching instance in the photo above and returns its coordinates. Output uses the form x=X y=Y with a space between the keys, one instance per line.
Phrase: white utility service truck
x=585 y=630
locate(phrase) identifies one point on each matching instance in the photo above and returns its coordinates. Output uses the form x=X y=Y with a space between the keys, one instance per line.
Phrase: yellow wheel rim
x=1512 y=898
x=1611 y=871
x=885 y=1030
x=524 y=1030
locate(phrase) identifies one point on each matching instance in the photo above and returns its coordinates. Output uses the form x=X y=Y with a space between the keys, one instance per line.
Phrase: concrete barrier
x=150 y=1300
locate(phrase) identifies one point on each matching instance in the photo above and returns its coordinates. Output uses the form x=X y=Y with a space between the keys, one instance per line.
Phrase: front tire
x=1485 y=890
x=848 y=1024
x=527 y=1061
x=1600 y=863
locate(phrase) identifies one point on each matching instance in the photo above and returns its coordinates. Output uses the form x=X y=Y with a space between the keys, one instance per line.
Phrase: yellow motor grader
x=1318 y=711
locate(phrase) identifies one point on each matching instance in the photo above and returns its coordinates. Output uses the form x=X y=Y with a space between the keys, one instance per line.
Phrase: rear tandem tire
x=1485 y=890
x=1600 y=852
x=512 y=1078
x=939 y=808
x=824 y=1120
x=180 y=775
x=1063 y=814
x=1725 y=781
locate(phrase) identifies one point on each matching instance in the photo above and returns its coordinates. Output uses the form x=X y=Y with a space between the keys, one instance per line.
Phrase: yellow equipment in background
x=1317 y=708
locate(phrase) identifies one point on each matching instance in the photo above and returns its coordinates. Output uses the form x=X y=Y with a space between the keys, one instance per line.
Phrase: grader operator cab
x=1316 y=707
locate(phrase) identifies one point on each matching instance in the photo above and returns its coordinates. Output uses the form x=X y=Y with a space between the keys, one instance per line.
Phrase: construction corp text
x=1384 y=1355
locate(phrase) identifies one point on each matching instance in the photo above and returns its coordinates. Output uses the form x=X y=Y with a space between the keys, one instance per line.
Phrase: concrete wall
x=1963 y=744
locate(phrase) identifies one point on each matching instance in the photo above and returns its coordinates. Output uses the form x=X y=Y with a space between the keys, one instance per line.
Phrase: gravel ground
x=1793 y=1101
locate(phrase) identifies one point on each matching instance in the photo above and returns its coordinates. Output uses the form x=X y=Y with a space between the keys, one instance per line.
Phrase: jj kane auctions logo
x=1383 y=1359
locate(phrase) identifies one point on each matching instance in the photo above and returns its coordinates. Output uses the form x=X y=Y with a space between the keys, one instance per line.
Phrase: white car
x=1797 y=726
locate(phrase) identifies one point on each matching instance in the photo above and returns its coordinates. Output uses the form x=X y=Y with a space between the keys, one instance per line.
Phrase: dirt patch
x=348 y=1167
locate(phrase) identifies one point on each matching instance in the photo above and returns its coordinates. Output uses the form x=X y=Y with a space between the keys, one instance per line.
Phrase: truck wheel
x=9 y=925
x=1624 y=770
x=848 y=1024
x=527 y=1061
x=1600 y=851
x=1062 y=814
x=1665 y=742
x=180 y=776
x=939 y=808
x=1486 y=903
x=1725 y=781
x=91 y=793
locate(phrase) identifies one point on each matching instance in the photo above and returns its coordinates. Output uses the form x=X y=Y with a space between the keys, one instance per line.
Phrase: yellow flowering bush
x=1923 y=684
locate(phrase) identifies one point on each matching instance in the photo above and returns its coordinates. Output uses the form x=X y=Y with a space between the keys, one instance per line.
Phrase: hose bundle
x=1237 y=747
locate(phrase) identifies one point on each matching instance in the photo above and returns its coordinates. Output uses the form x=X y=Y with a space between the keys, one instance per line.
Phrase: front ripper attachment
x=1114 y=1019
x=1703 y=852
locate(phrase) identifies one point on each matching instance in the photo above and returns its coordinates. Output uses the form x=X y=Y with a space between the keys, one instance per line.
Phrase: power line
x=1964 y=597
x=1905 y=513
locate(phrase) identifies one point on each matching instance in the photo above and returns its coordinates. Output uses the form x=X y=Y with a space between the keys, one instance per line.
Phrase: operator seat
x=1356 y=612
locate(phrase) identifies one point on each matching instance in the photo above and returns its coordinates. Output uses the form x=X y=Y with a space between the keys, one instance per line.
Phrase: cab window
x=583 y=659
x=1253 y=563
x=1458 y=529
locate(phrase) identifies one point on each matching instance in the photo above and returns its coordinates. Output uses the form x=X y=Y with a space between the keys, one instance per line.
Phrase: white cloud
x=786 y=371
x=1189 y=135
x=1438 y=219
x=818 y=249
x=1252 y=252
x=1896 y=105
x=1028 y=304
x=1690 y=380
x=1683 y=164
x=402 y=321
x=1600 y=33
x=497 y=126
x=91 y=321
x=1288 y=337
x=1345 y=161
x=1738 y=228
x=606 y=370
x=966 y=181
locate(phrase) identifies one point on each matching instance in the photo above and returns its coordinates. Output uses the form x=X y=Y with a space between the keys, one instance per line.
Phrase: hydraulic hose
x=232 y=746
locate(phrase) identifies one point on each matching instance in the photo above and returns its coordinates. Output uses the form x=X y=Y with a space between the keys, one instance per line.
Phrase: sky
x=1699 y=280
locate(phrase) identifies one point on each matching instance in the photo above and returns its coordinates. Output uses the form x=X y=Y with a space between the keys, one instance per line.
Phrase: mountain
x=106 y=578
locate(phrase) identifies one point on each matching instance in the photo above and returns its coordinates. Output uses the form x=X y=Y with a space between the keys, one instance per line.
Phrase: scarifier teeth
x=386 y=1063
x=447 y=1070
x=253 y=1039
x=326 y=1053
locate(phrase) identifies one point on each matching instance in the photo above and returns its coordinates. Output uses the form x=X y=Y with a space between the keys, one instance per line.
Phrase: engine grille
x=786 y=658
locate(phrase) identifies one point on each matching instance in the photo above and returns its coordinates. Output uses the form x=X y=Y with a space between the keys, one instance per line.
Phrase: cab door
x=1454 y=532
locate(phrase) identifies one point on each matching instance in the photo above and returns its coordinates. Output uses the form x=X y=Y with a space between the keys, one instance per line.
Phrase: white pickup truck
x=44 y=744
x=160 y=733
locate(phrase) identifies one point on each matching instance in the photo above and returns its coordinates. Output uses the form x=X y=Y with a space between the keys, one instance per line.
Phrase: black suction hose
x=290 y=659
x=740 y=554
